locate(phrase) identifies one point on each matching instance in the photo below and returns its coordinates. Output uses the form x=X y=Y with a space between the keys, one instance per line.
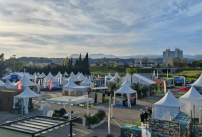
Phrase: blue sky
x=59 y=28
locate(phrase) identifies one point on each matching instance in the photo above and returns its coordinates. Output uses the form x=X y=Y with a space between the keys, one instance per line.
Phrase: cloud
x=61 y=28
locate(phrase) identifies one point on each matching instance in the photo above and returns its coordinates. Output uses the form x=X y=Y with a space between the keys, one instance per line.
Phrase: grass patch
x=93 y=105
x=138 y=122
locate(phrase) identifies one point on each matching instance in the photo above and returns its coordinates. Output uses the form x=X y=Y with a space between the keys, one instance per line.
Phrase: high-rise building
x=169 y=57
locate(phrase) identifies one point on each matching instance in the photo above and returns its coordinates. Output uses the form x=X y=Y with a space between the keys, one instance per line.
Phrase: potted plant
x=88 y=121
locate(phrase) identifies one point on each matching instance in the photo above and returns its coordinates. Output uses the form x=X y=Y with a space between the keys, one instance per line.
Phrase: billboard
x=14 y=77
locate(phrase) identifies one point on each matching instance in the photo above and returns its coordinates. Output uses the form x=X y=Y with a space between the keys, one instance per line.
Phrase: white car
x=170 y=86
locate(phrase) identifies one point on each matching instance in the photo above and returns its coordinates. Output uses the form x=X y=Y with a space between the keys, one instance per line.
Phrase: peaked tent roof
x=144 y=79
x=72 y=73
x=78 y=74
x=27 y=93
x=109 y=76
x=169 y=100
x=198 y=82
x=86 y=81
x=73 y=78
x=59 y=75
x=1 y=83
x=192 y=94
x=49 y=76
x=126 y=82
x=127 y=76
x=26 y=82
x=71 y=84
x=125 y=89
x=38 y=74
x=81 y=77
x=42 y=75
x=115 y=77
x=8 y=84
x=65 y=73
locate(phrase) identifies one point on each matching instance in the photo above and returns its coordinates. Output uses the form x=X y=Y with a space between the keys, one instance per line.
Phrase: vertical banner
x=114 y=63
x=19 y=85
x=164 y=85
x=51 y=84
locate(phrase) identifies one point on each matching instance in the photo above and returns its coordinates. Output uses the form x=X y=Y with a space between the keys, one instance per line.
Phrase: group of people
x=147 y=114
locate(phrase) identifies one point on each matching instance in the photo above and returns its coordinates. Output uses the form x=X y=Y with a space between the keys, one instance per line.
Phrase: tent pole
x=87 y=108
x=70 y=110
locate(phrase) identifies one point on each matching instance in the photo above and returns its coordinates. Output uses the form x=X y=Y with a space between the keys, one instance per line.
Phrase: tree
x=131 y=72
x=2 y=65
x=66 y=61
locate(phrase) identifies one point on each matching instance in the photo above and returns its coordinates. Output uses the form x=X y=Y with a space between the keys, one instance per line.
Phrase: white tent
x=73 y=78
x=71 y=86
x=72 y=73
x=166 y=107
x=38 y=74
x=125 y=89
x=142 y=80
x=127 y=76
x=109 y=76
x=25 y=82
x=59 y=77
x=126 y=82
x=192 y=97
x=81 y=77
x=64 y=81
x=198 y=82
x=65 y=74
x=87 y=82
x=77 y=74
x=8 y=84
x=115 y=78
x=18 y=75
x=1 y=83
x=49 y=76
x=42 y=75
x=25 y=95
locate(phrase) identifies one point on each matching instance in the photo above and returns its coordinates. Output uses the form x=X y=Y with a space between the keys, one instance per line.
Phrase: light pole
x=14 y=61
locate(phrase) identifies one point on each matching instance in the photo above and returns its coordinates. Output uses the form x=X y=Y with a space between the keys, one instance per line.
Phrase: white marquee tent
x=49 y=76
x=109 y=76
x=87 y=82
x=126 y=77
x=25 y=82
x=64 y=81
x=81 y=77
x=73 y=78
x=1 y=83
x=71 y=86
x=25 y=95
x=77 y=74
x=59 y=77
x=65 y=74
x=166 y=107
x=125 y=89
x=72 y=73
x=114 y=78
x=198 y=82
x=19 y=75
x=8 y=84
x=126 y=82
x=192 y=97
x=42 y=75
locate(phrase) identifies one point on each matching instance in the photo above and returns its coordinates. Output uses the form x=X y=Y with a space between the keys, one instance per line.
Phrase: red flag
x=51 y=84
x=19 y=85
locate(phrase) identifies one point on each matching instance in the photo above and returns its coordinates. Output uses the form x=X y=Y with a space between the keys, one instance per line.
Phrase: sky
x=59 y=28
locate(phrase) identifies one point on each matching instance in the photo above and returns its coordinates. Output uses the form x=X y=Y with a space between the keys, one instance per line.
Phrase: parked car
x=170 y=86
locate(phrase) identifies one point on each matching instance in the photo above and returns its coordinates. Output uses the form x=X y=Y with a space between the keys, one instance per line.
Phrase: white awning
x=144 y=79
x=65 y=99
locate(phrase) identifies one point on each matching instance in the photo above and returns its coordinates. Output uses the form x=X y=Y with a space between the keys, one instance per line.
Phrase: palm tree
x=131 y=72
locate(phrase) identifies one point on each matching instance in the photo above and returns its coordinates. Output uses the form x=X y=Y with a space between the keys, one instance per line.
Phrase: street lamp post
x=14 y=61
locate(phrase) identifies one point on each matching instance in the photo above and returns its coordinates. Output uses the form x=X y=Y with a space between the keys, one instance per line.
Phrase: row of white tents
x=169 y=106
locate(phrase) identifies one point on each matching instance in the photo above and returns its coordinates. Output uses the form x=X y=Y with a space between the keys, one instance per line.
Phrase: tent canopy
x=65 y=74
x=198 y=82
x=42 y=75
x=73 y=78
x=109 y=76
x=81 y=77
x=126 y=82
x=86 y=81
x=1 y=83
x=27 y=93
x=58 y=76
x=49 y=76
x=144 y=79
x=192 y=94
x=169 y=100
x=125 y=89
x=74 y=100
x=115 y=77
x=26 y=82
x=9 y=84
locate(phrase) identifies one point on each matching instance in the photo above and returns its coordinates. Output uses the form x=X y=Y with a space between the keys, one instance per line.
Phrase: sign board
x=14 y=77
